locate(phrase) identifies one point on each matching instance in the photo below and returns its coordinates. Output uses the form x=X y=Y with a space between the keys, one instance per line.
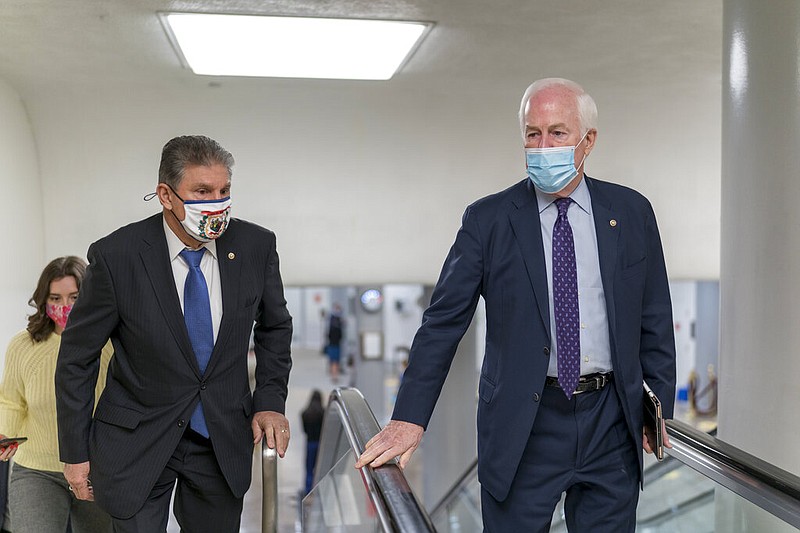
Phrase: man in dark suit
x=178 y=294
x=578 y=314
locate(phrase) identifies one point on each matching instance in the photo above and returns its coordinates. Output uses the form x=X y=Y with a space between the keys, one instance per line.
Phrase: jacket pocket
x=485 y=389
x=635 y=269
x=247 y=405
x=117 y=415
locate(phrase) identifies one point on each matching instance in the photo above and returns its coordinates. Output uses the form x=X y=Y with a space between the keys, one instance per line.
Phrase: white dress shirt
x=595 y=347
x=209 y=267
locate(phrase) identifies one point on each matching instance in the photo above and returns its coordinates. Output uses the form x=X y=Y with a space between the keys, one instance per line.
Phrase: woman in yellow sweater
x=39 y=496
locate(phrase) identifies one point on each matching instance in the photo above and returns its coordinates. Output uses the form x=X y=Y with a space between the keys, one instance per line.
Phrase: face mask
x=552 y=169
x=58 y=314
x=205 y=220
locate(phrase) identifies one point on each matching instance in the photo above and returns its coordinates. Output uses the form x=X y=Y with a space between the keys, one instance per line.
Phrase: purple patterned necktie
x=565 y=301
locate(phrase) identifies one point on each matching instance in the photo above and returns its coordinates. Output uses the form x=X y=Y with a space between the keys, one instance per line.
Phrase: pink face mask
x=59 y=314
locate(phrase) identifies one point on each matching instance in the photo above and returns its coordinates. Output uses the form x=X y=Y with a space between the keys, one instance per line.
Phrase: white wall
x=316 y=306
x=402 y=315
x=684 y=315
x=759 y=293
x=23 y=237
x=366 y=182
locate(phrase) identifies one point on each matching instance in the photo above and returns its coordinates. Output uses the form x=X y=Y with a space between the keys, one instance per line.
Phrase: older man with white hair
x=578 y=314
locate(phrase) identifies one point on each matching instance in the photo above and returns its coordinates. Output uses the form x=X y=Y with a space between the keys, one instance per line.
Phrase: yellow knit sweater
x=28 y=398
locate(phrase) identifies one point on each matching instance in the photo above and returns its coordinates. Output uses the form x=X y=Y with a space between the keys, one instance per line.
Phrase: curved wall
x=23 y=234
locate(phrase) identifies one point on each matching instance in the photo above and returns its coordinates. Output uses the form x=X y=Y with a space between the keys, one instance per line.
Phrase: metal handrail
x=771 y=488
x=269 y=494
x=397 y=506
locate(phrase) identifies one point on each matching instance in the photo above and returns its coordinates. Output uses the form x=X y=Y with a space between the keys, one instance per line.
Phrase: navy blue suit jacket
x=498 y=254
x=154 y=382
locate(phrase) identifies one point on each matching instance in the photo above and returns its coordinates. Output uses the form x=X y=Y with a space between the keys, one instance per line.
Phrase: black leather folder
x=653 y=422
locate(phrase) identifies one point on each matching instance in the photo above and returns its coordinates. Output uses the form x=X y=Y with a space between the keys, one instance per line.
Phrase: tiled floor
x=308 y=373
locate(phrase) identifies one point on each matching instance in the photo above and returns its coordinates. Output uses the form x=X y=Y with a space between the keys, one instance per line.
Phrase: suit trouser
x=42 y=503
x=203 y=500
x=579 y=446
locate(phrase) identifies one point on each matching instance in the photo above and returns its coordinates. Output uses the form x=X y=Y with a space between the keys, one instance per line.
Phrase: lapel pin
x=231 y=255
x=612 y=223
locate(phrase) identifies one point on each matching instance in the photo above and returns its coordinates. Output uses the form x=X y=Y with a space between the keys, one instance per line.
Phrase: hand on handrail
x=398 y=438
x=274 y=427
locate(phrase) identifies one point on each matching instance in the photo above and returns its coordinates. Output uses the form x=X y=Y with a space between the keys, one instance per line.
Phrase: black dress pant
x=203 y=501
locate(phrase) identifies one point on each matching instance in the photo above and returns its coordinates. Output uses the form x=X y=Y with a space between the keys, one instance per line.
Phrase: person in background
x=39 y=497
x=5 y=519
x=334 y=346
x=312 y=417
x=578 y=314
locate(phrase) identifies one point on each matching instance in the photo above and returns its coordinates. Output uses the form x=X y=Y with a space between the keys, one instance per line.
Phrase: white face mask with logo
x=205 y=220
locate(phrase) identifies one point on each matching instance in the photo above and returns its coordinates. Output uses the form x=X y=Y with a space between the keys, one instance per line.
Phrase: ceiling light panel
x=289 y=47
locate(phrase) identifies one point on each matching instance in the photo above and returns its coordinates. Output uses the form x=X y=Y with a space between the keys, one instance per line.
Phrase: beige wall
x=23 y=235
x=366 y=182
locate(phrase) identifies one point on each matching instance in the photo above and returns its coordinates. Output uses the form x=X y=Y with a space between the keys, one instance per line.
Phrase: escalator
x=704 y=485
x=361 y=501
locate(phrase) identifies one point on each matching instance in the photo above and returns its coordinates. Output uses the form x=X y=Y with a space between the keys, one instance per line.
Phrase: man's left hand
x=648 y=447
x=275 y=427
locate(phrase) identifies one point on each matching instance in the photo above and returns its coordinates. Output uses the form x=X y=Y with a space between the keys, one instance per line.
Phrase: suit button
x=535 y=396
x=181 y=423
x=546 y=350
x=203 y=385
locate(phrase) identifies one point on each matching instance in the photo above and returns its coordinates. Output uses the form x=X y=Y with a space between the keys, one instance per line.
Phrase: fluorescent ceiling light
x=289 y=47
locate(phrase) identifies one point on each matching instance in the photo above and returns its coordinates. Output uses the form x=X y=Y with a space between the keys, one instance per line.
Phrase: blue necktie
x=565 y=301
x=197 y=314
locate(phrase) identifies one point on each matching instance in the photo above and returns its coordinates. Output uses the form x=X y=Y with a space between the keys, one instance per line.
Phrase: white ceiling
x=77 y=45
x=331 y=165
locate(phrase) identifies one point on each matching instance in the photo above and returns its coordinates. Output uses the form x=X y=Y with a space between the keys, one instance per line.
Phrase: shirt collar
x=580 y=196
x=176 y=246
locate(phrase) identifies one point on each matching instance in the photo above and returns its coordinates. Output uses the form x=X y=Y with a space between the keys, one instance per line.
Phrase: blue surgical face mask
x=552 y=169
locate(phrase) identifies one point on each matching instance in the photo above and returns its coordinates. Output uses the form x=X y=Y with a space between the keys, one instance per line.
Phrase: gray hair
x=587 y=109
x=188 y=150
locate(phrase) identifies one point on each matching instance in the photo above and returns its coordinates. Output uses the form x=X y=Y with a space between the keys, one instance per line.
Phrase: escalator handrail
x=752 y=466
x=397 y=505
x=659 y=469
x=768 y=486
x=771 y=488
x=269 y=492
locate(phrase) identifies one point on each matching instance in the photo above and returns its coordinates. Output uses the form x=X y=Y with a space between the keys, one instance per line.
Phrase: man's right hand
x=77 y=476
x=396 y=439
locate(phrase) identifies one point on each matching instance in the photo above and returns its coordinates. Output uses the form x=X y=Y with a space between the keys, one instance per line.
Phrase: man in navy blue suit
x=578 y=314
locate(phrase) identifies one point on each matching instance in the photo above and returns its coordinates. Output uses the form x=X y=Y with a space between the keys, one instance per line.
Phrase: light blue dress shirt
x=595 y=347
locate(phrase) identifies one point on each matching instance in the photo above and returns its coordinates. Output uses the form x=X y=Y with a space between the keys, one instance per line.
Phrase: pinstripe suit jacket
x=154 y=383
